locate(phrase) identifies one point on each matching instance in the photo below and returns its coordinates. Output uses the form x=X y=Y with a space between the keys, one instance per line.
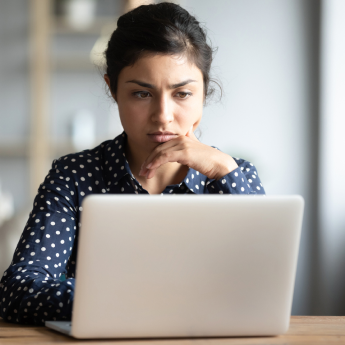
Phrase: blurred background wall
x=281 y=66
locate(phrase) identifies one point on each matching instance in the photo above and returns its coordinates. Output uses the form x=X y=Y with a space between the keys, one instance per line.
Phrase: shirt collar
x=116 y=166
x=115 y=163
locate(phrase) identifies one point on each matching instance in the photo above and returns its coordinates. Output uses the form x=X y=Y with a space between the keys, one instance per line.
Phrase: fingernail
x=141 y=171
x=149 y=166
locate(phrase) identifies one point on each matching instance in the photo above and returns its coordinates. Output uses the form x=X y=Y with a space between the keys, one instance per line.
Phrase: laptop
x=185 y=266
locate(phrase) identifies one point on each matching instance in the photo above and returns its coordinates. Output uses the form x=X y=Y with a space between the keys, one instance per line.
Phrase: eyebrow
x=150 y=86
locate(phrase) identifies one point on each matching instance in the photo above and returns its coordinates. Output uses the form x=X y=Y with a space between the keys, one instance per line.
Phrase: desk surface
x=303 y=330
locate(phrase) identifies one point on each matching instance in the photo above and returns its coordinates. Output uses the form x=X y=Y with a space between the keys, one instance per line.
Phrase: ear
x=107 y=80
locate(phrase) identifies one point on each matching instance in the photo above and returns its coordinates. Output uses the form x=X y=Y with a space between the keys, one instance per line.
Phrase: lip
x=162 y=133
x=161 y=137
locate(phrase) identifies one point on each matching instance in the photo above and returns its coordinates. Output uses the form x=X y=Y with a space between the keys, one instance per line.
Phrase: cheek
x=190 y=113
x=132 y=114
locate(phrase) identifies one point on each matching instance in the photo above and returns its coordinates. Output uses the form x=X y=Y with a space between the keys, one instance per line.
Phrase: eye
x=183 y=95
x=142 y=94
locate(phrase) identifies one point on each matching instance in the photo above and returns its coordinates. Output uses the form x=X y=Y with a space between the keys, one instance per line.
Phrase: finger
x=166 y=157
x=150 y=173
x=167 y=145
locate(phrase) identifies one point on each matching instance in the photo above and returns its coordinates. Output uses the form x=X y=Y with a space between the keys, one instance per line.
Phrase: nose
x=162 y=112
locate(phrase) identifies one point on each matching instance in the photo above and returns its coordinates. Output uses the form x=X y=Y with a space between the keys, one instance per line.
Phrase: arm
x=225 y=174
x=242 y=180
x=30 y=289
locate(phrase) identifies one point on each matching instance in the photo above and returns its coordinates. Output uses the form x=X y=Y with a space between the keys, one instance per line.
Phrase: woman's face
x=159 y=94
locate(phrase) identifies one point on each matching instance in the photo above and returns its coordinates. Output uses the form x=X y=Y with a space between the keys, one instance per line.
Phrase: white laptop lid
x=184 y=266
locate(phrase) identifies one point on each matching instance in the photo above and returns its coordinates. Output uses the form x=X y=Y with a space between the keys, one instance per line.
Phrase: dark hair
x=164 y=28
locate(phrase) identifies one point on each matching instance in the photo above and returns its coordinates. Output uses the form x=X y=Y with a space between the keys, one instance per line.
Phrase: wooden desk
x=303 y=330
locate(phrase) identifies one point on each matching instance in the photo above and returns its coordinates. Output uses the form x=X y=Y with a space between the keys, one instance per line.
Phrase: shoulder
x=83 y=158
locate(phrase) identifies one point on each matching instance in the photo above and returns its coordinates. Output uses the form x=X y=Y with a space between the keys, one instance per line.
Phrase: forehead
x=162 y=69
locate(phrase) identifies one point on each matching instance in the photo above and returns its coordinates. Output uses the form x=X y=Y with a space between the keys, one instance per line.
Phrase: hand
x=188 y=150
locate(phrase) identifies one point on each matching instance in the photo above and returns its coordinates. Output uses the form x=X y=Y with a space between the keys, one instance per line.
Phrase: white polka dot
x=37 y=220
x=63 y=220
x=81 y=165
x=53 y=245
x=37 y=241
x=220 y=192
x=58 y=293
x=257 y=187
x=82 y=193
x=32 y=253
x=196 y=186
x=49 y=258
x=52 y=223
x=31 y=290
x=236 y=174
x=242 y=189
x=233 y=185
x=43 y=249
x=47 y=235
x=223 y=180
x=82 y=178
x=250 y=181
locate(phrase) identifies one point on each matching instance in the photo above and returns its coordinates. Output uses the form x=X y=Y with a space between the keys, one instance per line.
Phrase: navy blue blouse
x=39 y=283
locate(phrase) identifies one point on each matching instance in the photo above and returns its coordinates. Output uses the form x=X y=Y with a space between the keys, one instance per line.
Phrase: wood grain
x=303 y=330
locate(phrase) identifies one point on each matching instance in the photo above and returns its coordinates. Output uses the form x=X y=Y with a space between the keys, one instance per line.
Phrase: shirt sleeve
x=243 y=180
x=31 y=290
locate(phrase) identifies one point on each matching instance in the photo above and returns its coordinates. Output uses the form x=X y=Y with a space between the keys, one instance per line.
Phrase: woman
x=158 y=64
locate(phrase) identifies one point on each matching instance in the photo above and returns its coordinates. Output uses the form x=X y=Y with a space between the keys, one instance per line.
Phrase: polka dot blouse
x=39 y=283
